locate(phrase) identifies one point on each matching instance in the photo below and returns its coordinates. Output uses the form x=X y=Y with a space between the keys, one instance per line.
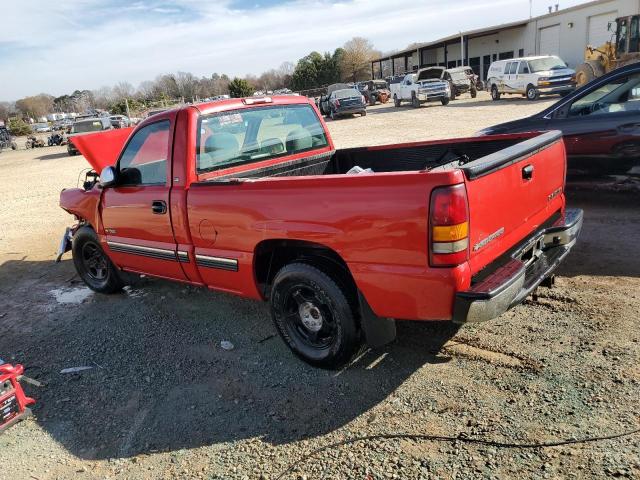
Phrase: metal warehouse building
x=565 y=33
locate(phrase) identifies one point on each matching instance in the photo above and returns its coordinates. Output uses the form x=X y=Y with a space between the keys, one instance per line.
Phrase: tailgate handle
x=159 y=207
x=527 y=172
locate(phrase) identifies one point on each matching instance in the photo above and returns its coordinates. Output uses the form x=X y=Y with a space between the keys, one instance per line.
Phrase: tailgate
x=511 y=193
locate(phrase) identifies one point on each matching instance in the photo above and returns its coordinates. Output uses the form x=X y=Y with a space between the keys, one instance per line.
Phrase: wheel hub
x=311 y=316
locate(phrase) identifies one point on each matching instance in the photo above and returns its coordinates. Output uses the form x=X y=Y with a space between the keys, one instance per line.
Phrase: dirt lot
x=164 y=400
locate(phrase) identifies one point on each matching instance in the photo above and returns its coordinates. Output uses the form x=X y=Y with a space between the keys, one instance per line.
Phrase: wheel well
x=271 y=255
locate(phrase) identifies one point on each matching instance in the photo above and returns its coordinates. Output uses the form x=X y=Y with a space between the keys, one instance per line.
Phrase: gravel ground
x=164 y=400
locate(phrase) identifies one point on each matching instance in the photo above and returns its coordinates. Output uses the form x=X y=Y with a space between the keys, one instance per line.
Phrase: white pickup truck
x=418 y=89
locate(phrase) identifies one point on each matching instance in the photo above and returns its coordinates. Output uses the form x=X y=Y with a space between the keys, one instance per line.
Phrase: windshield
x=346 y=93
x=546 y=63
x=257 y=134
x=87 y=126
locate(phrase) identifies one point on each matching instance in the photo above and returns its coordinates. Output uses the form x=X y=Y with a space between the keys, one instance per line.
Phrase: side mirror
x=108 y=177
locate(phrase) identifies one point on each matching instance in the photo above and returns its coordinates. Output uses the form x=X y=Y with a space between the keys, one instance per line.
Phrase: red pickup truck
x=249 y=196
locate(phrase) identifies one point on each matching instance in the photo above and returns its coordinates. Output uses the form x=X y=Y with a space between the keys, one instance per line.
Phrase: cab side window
x=507 y=68
x=523 y=68
x=514 y=68
x=144 y=160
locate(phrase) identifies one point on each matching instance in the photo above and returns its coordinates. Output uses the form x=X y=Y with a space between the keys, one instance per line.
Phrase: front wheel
x=332 y=114
x=93 y=265
x=495 y=94
x=363 y=114
x=445 y=100
x=313 y=316
x=415 y=103
x=474 y=92
x=532 y=93
x=396 y=100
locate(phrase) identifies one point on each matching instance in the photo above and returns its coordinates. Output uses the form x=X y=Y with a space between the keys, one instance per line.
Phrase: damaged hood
x=101 y=149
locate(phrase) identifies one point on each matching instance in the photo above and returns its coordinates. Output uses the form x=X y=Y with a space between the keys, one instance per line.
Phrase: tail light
x=449 y=226
x=336 y=102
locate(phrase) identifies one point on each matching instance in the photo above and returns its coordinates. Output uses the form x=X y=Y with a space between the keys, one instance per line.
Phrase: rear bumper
x=350 y=110
x=528 y=265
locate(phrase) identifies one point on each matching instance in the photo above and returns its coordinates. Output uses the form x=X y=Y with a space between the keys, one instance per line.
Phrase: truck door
x=407 y=85
x=135 y=212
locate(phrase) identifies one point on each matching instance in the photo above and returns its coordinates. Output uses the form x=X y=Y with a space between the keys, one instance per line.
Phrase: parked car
x=6 y=139
x=530 y=77
x=41 y=127
x=348 y=101
x=600 y=123
x=84 y=126
x=323 y=103
x=460 y=81
x=119 y=121
x=251 y=197
x=374 y=91
x=419 y=88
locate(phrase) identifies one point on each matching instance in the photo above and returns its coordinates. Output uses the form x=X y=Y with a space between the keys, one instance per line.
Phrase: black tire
x=14 y=146
x=363 y=113
x=302 y=293
x=93 y=265
x=396 y=101
x=474 y=92
x=445 y=100
x=495 y=94
x=332 y=115
x=415 y=103
x=454 y=92
x=532 y=93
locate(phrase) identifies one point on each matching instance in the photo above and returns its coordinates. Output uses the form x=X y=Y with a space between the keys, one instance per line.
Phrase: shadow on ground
x=52 y=156
x=161 y=381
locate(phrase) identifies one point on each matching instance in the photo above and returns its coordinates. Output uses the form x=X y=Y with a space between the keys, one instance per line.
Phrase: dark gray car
x=347 y=101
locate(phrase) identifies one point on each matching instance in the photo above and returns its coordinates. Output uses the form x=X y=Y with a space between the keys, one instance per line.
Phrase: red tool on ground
x=13 y=402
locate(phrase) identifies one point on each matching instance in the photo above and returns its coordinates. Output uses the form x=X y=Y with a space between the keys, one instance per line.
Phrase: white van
x=530 y=77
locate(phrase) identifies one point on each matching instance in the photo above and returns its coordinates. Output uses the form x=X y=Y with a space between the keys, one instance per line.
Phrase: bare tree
x=355 y=61
x=123 y=90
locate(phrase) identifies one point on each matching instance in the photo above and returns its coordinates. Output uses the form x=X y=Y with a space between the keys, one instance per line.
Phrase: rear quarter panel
x=376 y=223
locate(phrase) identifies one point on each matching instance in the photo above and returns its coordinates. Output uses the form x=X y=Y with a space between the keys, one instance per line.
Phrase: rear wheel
x=396 y=100
x=532 y=93
x=495 y=94
x=93 y=265
x=313 y=316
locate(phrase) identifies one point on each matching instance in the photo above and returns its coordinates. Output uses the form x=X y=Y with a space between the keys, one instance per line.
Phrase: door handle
x=159 y=207
x=527 y=172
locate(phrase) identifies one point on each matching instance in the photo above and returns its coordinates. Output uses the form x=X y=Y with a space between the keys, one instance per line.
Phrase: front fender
x=83 y=204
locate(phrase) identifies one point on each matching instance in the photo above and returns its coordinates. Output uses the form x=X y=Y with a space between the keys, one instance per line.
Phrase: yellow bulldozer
x=623 y=49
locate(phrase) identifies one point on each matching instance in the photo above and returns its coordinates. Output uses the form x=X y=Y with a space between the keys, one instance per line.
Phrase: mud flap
x=378 y=331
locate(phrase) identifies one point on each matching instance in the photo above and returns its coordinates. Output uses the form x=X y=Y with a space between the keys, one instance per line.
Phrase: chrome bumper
x=529 y=265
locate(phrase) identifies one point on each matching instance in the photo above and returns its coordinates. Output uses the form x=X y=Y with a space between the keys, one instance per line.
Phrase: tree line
x=351 y=62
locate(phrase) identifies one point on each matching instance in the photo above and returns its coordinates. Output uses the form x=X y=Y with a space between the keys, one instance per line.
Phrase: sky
x=59 y=46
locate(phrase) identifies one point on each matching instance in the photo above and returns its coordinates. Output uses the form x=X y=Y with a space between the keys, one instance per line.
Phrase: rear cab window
x=254 y=135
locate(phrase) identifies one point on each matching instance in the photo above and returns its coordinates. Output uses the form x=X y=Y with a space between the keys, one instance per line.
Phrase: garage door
x=598 y=33
x=549 y=40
